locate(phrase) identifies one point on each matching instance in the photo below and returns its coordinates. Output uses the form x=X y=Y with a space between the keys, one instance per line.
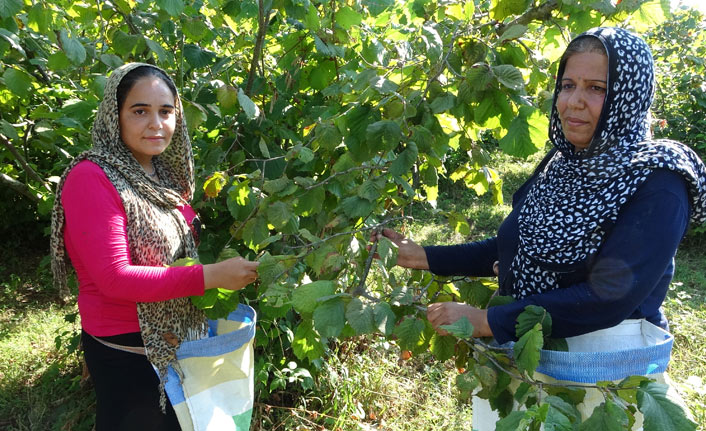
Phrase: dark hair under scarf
x=578 y=195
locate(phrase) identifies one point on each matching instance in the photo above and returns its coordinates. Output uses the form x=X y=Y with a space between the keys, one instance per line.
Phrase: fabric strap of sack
x=129 y=349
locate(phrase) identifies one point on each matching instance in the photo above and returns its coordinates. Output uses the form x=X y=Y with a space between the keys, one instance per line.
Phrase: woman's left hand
x=446 y=313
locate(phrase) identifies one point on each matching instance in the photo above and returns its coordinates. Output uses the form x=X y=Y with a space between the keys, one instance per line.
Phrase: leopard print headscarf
x=578 y=196
x=157 y=232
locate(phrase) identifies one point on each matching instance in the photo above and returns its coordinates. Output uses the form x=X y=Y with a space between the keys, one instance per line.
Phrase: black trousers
x=127 y=387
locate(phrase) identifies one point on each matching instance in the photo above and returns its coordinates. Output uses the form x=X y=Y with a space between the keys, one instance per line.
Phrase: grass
x=364 y=385
x=40 y=386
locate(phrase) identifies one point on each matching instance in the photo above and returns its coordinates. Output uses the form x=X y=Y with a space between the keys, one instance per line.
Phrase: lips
x=575 y=122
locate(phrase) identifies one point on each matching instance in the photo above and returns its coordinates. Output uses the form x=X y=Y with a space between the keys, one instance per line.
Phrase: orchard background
x=313 y=125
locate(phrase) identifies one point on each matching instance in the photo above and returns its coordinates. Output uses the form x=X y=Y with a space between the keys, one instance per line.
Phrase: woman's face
x=580 y=101
x=147 y=119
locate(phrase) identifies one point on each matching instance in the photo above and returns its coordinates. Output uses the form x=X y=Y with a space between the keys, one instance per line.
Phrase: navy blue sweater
x=627 y=279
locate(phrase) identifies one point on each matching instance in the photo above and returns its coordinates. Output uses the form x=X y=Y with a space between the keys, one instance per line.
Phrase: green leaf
x=501 y=9
x=556 y=420
x=607 y=416
x=355 y=207
x=172 y=7
x=510 y=422
x=384 y=318
x=197 y=57
x=269 y=269
x=111 y=60
x=124 y=43
x=526 y=350
x=272 y=187
x=476 y=292
x=461 y=328
x=307 y=343
x=347 y=17
x=409 y=333
x=9 y=130
x=38 y=18
x=360 y=316
x=467 y=381
x=498 y=300
x=255 y=232
x=433 y=43
x=442 y=346
x=532 y=315
x=9 y=8
x=195 y=114
x=18 y=81
x=384 y=132
x=250 y=108
x=376 y=7
x=278 y=214
x=304 y=297
x=513 y=32
x=214 y=184
x=310 y=202
x=509 y=76
x=568 y=410
x=527 y=133
x=157 y=49
x=227 y=96
x=370 y=190
x=13 y=40
x=329 y=318
x=443 y=103
x=387 y=252
x=661 y=413
x=322 y=75
x=650 y=15
x=405 y=160
x=185 y=261
x=73 y=49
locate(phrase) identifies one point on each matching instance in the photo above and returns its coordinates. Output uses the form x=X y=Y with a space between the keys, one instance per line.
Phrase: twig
x=338 y=174
x=360 y=289
x=351 y=232
x=27 y=168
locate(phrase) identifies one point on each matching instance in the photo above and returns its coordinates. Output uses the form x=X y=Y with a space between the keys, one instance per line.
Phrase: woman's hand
x=231 y=274
x=409 y=254
x=446 y=313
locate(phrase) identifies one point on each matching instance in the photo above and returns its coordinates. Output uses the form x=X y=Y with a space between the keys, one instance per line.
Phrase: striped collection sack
x=634 y=347
x=214 y=390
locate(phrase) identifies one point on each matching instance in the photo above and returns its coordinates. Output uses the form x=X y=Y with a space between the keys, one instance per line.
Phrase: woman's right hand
x=231 y=274
x=409 y=254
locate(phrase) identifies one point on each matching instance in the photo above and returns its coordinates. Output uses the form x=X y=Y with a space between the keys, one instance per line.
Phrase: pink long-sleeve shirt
x=110 y=286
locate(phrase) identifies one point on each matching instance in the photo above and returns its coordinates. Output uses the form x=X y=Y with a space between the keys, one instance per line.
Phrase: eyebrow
x=594 y=80
x=148 y=105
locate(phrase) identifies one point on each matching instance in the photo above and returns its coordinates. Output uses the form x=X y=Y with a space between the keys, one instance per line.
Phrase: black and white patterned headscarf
x=564 y=218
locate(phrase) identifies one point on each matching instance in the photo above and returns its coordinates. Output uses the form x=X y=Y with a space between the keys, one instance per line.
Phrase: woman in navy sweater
x=593 y=233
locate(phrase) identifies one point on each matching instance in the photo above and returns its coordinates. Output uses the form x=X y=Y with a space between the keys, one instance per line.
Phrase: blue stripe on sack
x=173 y=387
x=224 y=343
x=590 y=367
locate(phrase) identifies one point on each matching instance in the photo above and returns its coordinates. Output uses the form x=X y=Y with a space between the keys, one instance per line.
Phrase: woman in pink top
x=122 y=215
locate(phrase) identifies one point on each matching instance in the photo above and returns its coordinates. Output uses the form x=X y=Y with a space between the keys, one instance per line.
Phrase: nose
x=576 y=99
x=155 y=121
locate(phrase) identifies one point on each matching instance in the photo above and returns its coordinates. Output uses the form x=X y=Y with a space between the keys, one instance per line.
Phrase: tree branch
x=539 y=13
x=27 y=168
x=18 y=186
x=263 y=19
